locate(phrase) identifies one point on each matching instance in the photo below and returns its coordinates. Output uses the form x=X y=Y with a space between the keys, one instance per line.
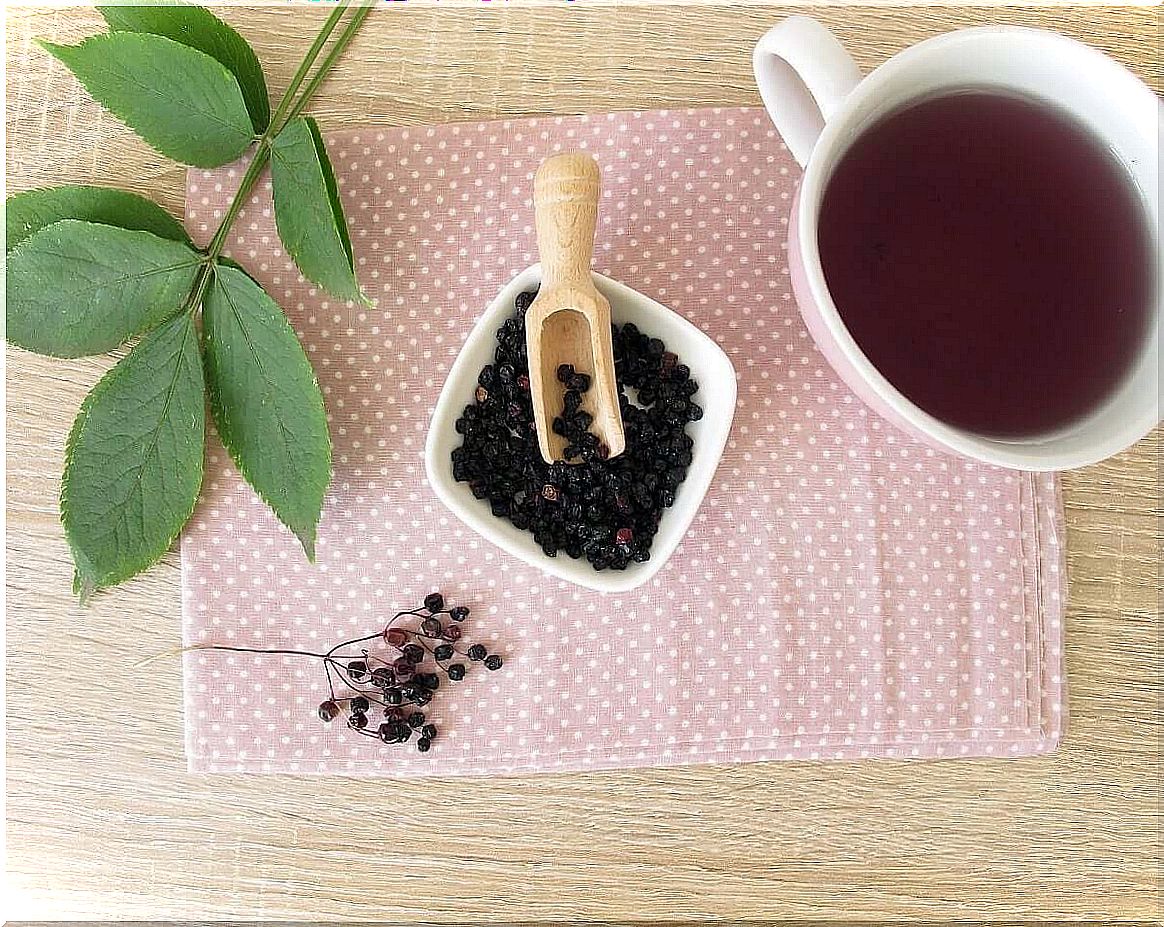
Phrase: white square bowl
x=710 y=367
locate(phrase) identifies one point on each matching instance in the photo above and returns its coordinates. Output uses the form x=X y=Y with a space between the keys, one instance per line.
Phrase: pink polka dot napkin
x=844 y=592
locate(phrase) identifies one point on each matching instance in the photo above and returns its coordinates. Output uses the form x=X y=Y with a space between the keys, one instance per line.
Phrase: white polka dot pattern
x=844 y=592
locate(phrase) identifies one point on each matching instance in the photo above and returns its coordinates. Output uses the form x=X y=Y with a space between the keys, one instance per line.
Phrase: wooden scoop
x=569 y=321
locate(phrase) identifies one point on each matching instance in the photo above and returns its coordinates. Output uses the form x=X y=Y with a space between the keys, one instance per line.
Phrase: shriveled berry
x=443 y=652
x=477 y=652
x=395 y=637
x=358 y=721
x=416 y=719
x=565 y=372
x=383 y=677
x=357 y=669
x=579 y=382
x=493 y=662
x=524 y=300
x=482 y=394
x=429 y=731
x=434 y=601
x=423 y=745
x=359 y=703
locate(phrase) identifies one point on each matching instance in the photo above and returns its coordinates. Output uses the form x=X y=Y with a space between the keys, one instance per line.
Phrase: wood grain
x=569 y=321
x=103 y=821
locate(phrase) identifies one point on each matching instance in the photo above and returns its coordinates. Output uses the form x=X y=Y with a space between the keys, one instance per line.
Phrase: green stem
x=288 y=109
x=337 y=49
x=304 y=66
x=249 y=179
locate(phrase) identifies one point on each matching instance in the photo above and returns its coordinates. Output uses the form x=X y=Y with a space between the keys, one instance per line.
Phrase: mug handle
x=804 y=74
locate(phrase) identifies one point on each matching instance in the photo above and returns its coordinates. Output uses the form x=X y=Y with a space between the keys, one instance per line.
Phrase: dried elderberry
x=402 y=677
x=601 y=508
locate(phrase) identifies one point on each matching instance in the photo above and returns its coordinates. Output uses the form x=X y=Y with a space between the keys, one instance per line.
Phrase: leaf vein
x=133 y=491
x=287 y=438
x=170 y=101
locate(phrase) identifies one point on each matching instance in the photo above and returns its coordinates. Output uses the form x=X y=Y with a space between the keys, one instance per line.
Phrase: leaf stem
x=304 y=66
x=337 y=49
x=289 y=107
x=254 y=169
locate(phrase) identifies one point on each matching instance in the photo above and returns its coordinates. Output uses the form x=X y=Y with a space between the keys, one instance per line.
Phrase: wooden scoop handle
x=565 y=212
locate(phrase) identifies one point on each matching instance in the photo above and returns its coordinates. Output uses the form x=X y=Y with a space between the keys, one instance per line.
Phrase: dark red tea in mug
x=992 y=258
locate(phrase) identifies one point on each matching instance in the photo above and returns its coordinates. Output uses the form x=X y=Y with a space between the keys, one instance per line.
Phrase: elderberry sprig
x=419 y=646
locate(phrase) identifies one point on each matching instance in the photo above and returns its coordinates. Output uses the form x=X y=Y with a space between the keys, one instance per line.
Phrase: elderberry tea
x=604 y=509
x=992 y=259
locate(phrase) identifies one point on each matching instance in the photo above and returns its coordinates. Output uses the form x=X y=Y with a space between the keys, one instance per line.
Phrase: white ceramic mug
x=820 y=103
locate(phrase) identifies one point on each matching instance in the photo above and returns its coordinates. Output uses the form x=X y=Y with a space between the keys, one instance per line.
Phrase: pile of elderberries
x=601 y=508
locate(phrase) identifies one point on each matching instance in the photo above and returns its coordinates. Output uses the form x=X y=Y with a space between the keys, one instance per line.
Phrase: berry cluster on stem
x=419 y=648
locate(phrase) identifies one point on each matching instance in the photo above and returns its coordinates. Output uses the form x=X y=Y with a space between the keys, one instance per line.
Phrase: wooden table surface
x=103 y=820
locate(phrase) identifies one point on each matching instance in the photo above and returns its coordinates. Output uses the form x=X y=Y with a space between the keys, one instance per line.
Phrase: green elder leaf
x=307 y=209
x=198 y=28
x=77 y=288
x=133 y=463
x=180 y=100
x=266 y=401
x=29 y=212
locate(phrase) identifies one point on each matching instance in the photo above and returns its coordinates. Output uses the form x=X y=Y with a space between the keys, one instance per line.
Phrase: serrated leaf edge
x=219 y=414
x=85 y=583
x=266 y=117
x=333 y=199
x=338 y=223
x=185 y=239
x=14 y=253
x=51 y=47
